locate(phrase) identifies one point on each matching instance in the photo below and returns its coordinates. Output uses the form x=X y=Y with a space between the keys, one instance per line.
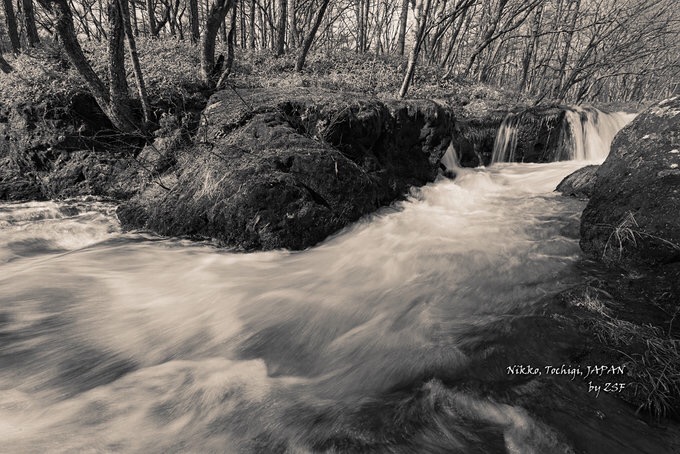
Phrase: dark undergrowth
x=633 y=319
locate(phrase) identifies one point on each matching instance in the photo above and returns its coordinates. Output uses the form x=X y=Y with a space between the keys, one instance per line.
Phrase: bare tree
x=12 y=30
x=115 y=101
x=193 y=19
x=293 y=37
x=151 y=14
x=134 y=57
x=307 y=44
x=228 y=64
x=218 y=11
x=119 y=94
x=422 y=12
x=403 y=23
x=32 y=37
x=281 y=19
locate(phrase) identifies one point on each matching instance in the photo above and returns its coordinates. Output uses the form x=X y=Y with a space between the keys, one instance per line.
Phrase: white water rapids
x=116 y=342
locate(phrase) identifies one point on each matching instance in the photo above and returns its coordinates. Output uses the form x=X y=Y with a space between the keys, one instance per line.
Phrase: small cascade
x=591 y=131
x=450 y=163
x=506 y=139
x=574 y=133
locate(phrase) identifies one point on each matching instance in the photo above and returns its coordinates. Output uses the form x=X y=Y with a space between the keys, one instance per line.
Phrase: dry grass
x=625 y=235
x=591 y=303
x=653 y=362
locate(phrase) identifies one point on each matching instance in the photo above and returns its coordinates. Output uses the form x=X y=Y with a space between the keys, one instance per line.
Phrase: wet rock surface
x=579 y=184
x=475 y=136
x=535 y=134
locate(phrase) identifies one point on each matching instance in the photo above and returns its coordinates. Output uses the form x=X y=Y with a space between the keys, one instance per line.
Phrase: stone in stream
x=274 y=168
x=633 y=216
x=580 y=183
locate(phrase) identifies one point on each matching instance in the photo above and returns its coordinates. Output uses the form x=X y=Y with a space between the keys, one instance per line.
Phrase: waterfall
x=450 y=163
x=506 y=139
x=577 y=133
x=592 y=131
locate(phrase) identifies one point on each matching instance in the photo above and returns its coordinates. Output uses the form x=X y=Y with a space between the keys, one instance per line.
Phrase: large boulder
x=633 y=216
x=273 y=168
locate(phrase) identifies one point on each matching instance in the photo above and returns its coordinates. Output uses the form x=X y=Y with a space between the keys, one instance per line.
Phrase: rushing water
x=113 y=342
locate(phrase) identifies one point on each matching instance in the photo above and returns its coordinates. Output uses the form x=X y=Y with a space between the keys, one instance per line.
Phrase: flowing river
x=125 y=342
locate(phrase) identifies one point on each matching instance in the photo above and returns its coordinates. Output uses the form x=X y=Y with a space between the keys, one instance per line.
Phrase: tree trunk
x=229 y=63
x=567 y=46
x=293 y=38
x=422 y=11
x=216 y=15
x=133 y=13
x=193 y=18
x=281 y=19
x=263 y=28
x=307 y=44
x=132 y=45
x=151 y=14
x=4 y=66
x=223 y=31
x=358 y=11
x=12 y=30
x=119 y=94
x=251 y=25
x=532 y=47
x=242 y=23
x=63 y=25
x=29 y=22
x=403 y=23
x=367 y=43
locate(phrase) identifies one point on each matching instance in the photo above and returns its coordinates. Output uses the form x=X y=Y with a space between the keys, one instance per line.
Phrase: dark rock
x=579 y=183
x=285 y=169
x=633 y=216
x=66 y=146
x=63 y=148
x=539 y=135
x=113 y=174
x=475 y=136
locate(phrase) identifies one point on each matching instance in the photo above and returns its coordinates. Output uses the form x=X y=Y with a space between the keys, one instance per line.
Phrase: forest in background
x=548 y=50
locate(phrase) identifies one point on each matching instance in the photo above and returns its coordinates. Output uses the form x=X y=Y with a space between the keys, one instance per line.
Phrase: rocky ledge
x=271 y=169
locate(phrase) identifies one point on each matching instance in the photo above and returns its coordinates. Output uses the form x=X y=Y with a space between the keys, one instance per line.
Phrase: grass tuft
x=653 y=363
x=625 y=235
